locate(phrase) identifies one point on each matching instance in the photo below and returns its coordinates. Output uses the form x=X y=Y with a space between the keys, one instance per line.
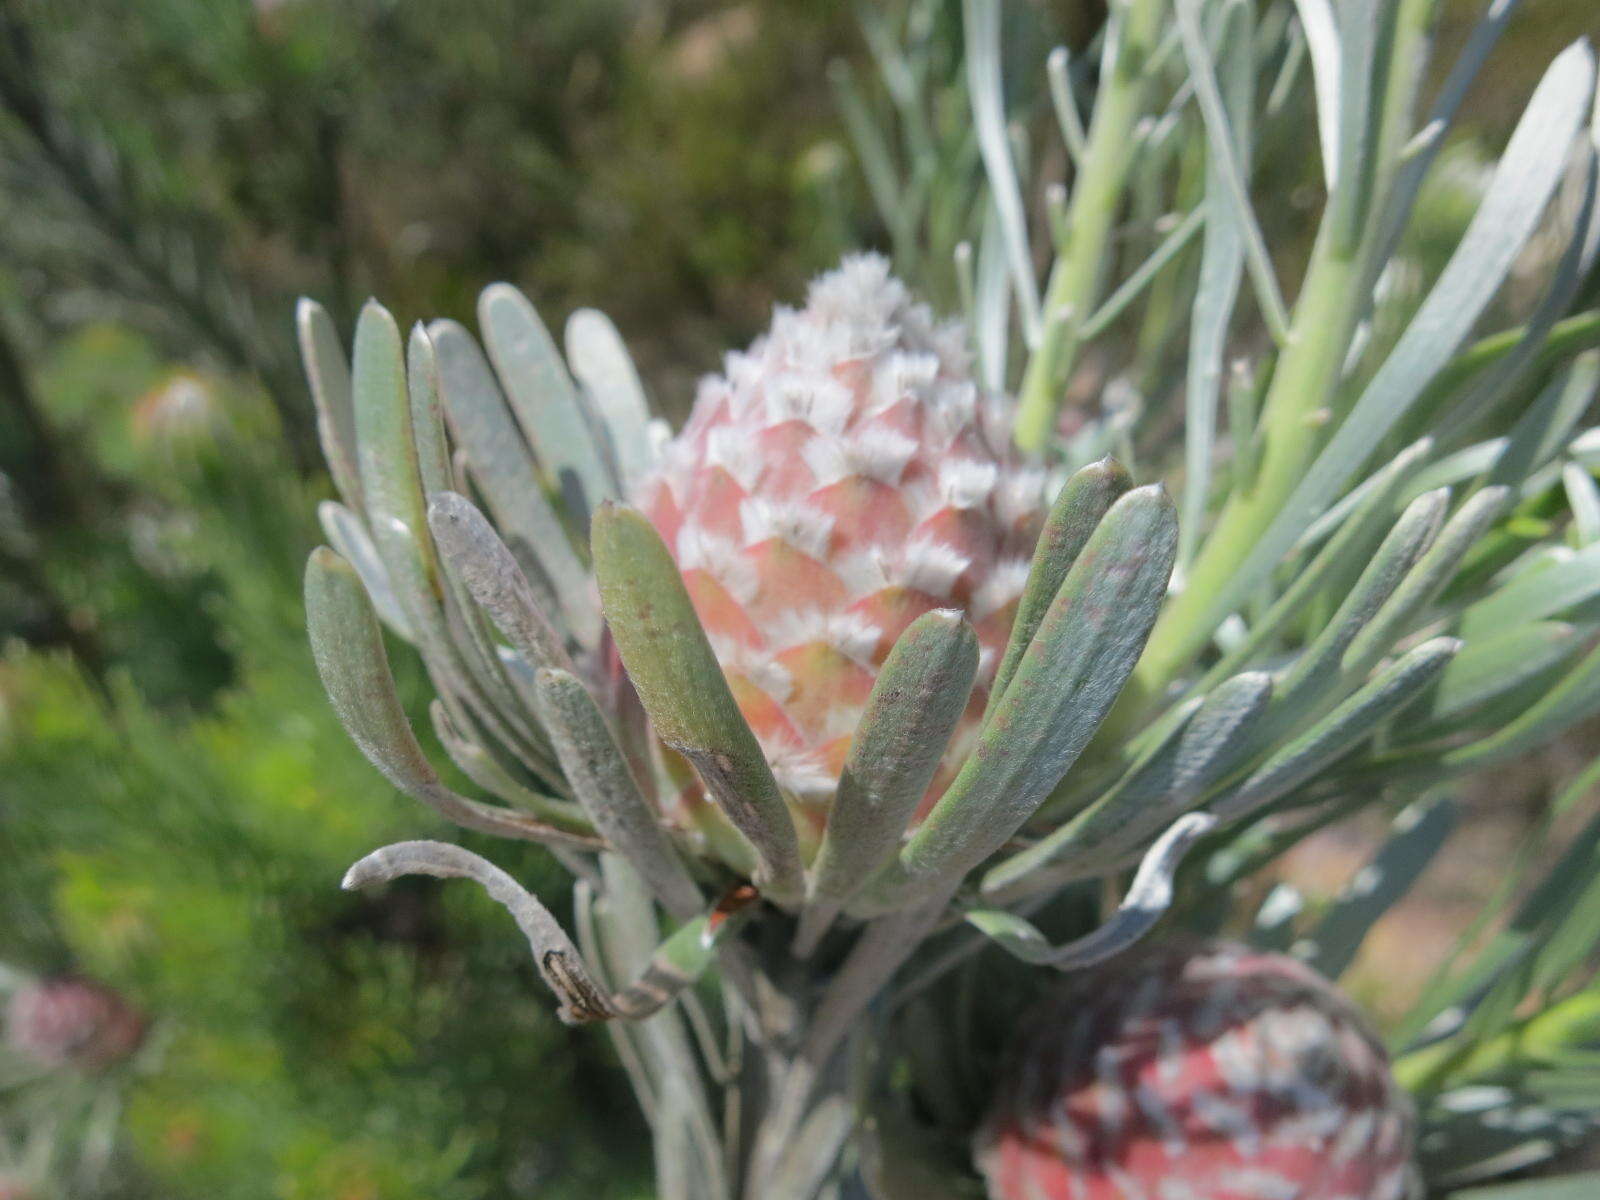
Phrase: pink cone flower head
x=842 y=477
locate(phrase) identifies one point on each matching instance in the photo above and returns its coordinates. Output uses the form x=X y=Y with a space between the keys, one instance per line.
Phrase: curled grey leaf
x=675 y=965
x=1149 y=896
x=558 y=960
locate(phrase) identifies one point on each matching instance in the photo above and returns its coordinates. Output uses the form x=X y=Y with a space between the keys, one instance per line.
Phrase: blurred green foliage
x=649 y=158
x=309 y=1043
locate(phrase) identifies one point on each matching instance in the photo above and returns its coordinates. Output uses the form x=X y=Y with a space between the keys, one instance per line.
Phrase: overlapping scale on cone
x=1198 y=1072
x=842 y=477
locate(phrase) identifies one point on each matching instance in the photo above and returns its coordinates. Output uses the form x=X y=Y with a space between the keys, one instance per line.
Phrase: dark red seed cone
x=1198 y=1072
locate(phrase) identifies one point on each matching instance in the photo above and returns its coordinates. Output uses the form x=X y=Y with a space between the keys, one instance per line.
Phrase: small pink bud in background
x=71 y=1022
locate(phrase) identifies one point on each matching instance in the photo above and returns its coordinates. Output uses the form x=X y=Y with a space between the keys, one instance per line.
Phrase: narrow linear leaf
x=1469 y=1006
x=348 y=647
x=1340 y=731
x=1585 y=448
x=1149 y=797
x=1571 y=700
x=479 y=765
x=1419 y=833
x=386 y=445
x=1058 y=68
x=1568 y=582
x=1567 y=338
x=1414 y=169
x=1217 y=291
x=1546 y=427
x=1352 y=541
x=1208 y=744
x=1574 y=266
x=683 y=689
x=1322 y=39
x=1426 y=579
x=427 y=412
x=877 y=162
x=1148 y=898
x=915 y=705
x=1142 y=276
x=1317 y=667
x=1490 y=666
x=1579 y=1186
x=328 y=374
x=1286 y=80
x=992 y=304
x=1070 y=675
x=1361 y=30
x=475 y=552
x=350 y=538
x=898 y=75
x=1223 y=147
x=476 y=647
x=1553 y=902
x=1418 y=476
x=542 y=394
x=1537 y=437
x=608 y=792
x=1080 y=504
x=600 y=359
x=1583 y=499
x=503 y=469
x=981 y=26
x=446 y=646
x=1243 y=396
x=1570 y=945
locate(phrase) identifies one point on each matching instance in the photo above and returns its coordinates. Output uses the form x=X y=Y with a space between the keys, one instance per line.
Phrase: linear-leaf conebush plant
x=870 y=703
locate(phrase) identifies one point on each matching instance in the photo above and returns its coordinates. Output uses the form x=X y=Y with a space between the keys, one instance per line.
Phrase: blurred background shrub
x=176 y=799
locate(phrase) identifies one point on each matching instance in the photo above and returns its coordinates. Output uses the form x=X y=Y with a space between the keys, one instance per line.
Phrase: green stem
x=1078 y=275
x=1298 y=403
x=1293 y=413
